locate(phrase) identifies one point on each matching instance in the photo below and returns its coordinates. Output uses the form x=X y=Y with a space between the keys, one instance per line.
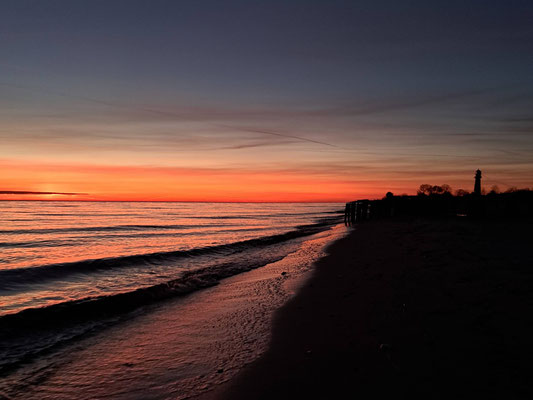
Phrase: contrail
x=254 y=130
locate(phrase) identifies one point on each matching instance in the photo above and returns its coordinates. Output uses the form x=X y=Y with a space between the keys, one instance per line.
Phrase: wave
x=34 y=332
x=181 y=215
x=96 y=229
x=39 y=243
x=13 y=278
x=38 y=330
x=257 y=216
x=74 y=241
x=129 y=227
x=89 y=311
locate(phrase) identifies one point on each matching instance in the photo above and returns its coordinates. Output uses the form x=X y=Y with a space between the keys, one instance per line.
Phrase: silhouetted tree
x=424 y=189
x=446 y=188
x=494 y=189
x=428 y=190
x=461 y=192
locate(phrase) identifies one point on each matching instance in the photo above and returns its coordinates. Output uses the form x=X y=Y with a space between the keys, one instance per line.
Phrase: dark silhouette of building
x=477 y=184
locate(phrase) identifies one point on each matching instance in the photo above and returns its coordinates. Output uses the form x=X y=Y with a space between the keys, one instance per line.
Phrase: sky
x=210 y=100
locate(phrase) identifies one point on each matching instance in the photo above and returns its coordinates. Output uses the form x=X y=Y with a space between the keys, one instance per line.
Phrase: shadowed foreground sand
x=406 y=309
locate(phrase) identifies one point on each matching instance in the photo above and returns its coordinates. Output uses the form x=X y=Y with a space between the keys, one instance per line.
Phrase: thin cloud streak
x=273 y=133
x=159 y=112
x=26 y=192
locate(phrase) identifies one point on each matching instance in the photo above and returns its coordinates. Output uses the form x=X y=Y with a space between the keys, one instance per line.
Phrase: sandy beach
x=410 y=308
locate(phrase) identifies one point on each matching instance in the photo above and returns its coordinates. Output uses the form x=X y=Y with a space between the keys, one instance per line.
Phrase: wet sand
x=429 y=309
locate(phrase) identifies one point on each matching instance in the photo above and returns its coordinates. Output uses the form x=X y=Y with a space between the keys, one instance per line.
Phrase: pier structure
x=357 y=211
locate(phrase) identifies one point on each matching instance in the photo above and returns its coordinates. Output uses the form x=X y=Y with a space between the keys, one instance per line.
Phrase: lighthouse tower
x=477 y=185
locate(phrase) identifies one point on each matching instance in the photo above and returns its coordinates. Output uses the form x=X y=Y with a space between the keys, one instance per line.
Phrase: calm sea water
x=78 y=273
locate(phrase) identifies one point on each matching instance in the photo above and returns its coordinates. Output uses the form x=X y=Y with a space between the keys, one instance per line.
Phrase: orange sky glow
x=109 y=183
x=156 y=183
x=341 y=103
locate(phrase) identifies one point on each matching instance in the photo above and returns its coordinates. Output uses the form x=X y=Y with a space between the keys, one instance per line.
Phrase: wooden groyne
x=357 y=211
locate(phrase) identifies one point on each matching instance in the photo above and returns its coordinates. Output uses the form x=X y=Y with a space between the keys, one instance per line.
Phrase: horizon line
x=174 y=201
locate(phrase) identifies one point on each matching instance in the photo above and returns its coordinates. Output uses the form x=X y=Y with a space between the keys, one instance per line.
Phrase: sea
x=146 y=300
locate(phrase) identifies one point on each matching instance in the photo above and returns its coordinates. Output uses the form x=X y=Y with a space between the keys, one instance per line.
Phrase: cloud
x=26 y=192
x=399 y=103
x=210 y=115
x=149 y=110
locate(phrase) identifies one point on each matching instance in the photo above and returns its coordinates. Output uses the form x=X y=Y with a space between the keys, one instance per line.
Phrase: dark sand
x=406 y=309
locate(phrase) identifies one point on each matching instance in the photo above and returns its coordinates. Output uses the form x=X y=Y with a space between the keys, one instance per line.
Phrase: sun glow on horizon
x=136 y=183
x=84 y=182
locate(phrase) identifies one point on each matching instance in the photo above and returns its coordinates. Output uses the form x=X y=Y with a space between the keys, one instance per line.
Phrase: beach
x=405 y=308
x=289 y=304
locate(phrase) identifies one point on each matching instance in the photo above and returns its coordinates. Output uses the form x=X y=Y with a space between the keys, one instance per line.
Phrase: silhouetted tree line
x=440 y=200
x=446 y=190
x=429 y=190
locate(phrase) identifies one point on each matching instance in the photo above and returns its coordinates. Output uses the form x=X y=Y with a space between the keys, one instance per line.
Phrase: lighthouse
x=477 y=184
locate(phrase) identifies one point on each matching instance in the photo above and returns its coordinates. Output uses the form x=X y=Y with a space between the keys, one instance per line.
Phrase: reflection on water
x=89 y=230
x=174 y=349
x=54 y=252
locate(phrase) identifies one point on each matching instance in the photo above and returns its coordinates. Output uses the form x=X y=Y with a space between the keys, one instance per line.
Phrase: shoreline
x=179 y=347
x=425 y=308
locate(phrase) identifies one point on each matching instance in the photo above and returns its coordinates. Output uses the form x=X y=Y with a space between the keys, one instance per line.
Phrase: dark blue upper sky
x=389 y=77
x=287 y=49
